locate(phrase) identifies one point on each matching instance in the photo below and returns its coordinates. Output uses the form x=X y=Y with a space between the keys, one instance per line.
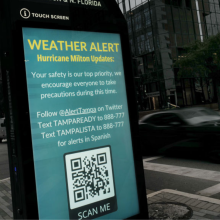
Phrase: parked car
x=2 y=129
x=188 y=130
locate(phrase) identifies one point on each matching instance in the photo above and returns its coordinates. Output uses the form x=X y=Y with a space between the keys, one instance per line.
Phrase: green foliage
x=202 y=59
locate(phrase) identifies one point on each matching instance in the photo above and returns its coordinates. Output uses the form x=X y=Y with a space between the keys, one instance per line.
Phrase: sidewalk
x=5 y=200
x=203 y=207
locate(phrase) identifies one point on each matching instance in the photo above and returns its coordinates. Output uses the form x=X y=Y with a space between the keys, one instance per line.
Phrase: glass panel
x=168 y=12
x=132 y=2
x=147 y=17
x=170 y=26
x=127 y=6
x=138 y=2
x=121 y=7
x=195 y=16
x=190 y=28
x=189 y=15
x=177 y=26
x=191 y=38
x=179 y=40
x=193 y=5
x=184 y=28
x=206 y=7
x=172 y=40
x=197 y=28
x=175 y=13
x=182 y=14
x=185 y=39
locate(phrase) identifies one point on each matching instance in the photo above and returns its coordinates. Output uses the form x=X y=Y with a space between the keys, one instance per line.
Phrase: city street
x=195 y=176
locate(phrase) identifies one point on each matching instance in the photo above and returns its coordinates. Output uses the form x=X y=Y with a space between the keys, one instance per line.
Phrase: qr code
x=89 y=176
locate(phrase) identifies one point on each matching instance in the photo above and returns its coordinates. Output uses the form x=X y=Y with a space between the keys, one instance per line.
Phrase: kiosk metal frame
x=107 y=19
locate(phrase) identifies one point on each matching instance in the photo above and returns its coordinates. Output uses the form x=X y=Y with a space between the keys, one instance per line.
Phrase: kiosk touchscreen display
x=81 y=138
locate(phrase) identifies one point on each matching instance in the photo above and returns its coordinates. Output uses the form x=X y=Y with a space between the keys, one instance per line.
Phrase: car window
x=155 y=119
x=164 y=119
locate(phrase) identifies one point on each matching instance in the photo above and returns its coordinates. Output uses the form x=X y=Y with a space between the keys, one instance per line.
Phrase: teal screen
x=78 y=109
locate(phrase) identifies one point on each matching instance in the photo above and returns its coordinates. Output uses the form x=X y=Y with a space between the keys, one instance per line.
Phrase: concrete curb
x=192 y=196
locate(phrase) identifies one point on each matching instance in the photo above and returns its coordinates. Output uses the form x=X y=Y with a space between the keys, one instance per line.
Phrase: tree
x=202 y=59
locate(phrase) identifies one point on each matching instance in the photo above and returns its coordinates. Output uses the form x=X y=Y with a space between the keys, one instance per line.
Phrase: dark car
x=188 y=130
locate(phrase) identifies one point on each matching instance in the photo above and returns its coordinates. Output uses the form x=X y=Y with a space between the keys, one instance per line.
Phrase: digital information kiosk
x=72 y=121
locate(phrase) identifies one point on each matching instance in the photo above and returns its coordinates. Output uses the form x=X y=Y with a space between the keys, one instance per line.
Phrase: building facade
x=158 y=31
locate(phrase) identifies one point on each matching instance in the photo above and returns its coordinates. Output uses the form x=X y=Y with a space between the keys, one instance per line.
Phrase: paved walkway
x=203 y=207
x=5 y=200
